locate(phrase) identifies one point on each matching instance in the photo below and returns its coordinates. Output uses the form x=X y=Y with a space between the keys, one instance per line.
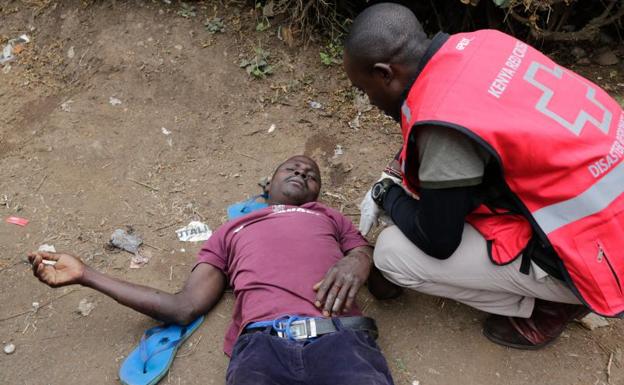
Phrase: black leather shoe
x=545 y=325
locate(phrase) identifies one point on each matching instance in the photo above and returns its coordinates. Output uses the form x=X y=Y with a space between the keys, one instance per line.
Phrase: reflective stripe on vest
x=589 y=202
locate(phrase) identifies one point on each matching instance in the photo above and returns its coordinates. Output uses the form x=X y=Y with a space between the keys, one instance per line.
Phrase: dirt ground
x=79 y=167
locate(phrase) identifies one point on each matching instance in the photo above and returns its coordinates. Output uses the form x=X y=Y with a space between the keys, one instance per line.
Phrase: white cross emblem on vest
x=583 y=116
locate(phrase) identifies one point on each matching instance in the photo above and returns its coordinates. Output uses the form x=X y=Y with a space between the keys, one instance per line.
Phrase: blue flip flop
x=150 y=361
x=240 y=209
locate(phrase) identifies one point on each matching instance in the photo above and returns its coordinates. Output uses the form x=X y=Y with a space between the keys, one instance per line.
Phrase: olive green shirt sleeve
x=449 y=158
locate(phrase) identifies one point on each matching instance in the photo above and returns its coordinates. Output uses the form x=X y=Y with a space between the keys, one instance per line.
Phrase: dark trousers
x=342 y=358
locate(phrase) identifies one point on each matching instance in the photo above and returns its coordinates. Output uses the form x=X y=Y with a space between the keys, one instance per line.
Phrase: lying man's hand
x=336 y=292
x=56 y=270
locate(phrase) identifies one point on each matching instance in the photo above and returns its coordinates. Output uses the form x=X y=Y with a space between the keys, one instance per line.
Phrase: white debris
x=415 y=382
x=71 y=53
x=593 y=321
x=271 y=129
x=139 y=260
x=355 y=123
x=9 y=348
x=361 y=102
x=178 y=47
x=85 y=307
x=167 y=133
x=114 y=101
x=7 y=52
x=47 y=248
x=121 y=239
x=195 y=231
x=338 y=151
x=316 y=105
x=433 y=371
x=35 y=306
x=66 y=106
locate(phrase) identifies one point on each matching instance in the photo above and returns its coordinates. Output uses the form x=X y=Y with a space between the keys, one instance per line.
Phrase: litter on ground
x=12 y=48
x=17 y=221
x=195 y=231
x=121 y=239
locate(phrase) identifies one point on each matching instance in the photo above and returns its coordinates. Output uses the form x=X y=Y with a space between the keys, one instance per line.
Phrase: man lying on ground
x=296 y=257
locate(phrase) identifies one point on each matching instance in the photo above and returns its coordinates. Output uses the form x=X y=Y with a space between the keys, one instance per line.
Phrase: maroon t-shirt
x=274 y=256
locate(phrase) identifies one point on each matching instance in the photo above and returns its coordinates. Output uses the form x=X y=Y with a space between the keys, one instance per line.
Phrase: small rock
x=122 y=239
x=178 y=47
x=338 y=151
x=71 y=53
x=271 y=129
x=35 y=306
x=9 y=348
x=316 y=105
x=85 y=307
x=114 y=101
x=607 y=59
x=593 y=321
x=415 y=382
x=583 y=61
x=578 y=52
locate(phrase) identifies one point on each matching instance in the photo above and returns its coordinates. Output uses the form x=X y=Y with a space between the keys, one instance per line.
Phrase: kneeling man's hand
x=56 y=270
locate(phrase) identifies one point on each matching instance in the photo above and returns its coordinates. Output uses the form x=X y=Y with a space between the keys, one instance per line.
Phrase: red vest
x=559 y=141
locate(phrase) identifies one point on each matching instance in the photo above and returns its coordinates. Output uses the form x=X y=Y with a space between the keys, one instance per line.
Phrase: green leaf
x=325 y=58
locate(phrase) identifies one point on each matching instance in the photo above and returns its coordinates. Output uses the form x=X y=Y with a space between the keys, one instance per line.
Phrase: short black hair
x=386 y=33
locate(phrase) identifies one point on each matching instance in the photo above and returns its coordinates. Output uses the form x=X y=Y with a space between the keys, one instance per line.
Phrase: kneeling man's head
x=295 y=182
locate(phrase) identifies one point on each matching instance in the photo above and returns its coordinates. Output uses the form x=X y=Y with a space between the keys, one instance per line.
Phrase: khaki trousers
x=468 y=276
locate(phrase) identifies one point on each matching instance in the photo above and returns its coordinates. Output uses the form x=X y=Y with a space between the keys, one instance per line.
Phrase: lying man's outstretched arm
x=202 y=290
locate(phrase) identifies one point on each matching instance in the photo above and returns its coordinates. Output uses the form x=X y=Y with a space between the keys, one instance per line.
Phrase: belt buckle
x=299 y=330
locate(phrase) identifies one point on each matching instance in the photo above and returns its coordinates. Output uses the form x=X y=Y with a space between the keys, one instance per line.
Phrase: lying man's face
x=295 y=182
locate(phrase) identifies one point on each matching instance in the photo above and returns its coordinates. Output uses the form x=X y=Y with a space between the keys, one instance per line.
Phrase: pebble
x=316 y=105
x=114 y=101
x=593 y=321
x=71 y=52
x=607 y=59
x=9 y=348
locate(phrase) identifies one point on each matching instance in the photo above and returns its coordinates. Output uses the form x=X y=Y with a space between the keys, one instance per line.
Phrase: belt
x=302 y=328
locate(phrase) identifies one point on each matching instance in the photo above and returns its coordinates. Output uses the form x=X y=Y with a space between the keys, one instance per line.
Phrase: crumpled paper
x=195 y=231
